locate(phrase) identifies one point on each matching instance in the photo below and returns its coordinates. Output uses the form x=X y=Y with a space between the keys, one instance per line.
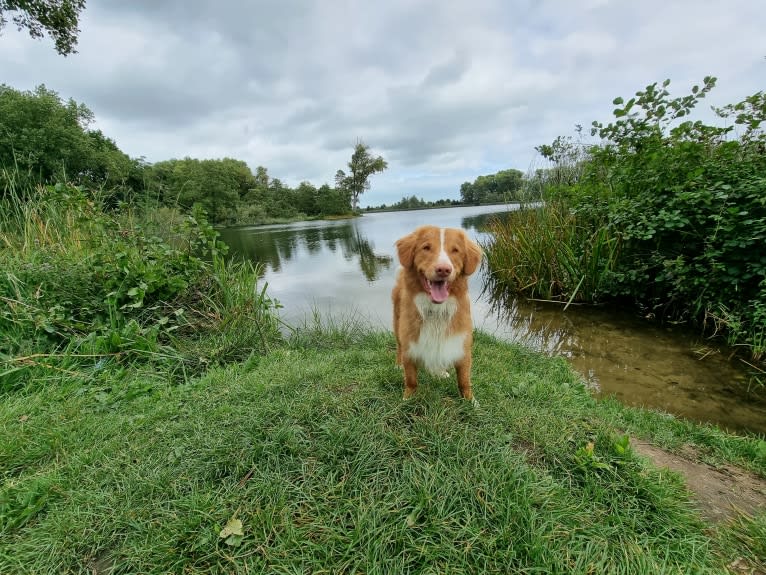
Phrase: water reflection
x=480 y=223
x=641 y=364
x=273 y=246
x=552 y=335
x=348 y=267
x=370 y=262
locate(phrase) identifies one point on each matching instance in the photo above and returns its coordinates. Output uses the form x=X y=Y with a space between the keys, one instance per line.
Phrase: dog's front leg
x=410 y=378
x=463 y=370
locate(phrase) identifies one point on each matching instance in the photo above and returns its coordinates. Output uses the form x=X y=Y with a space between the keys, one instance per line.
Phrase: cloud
x=446 y=91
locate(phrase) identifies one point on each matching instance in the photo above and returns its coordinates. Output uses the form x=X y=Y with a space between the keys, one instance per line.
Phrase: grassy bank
x=153 y=420
x=274 y=221
x=314 y=463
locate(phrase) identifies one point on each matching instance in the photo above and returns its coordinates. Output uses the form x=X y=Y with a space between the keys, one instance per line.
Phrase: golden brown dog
x=432 y=312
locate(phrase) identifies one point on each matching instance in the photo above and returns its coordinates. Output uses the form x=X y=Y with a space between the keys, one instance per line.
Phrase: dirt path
x=722 y=491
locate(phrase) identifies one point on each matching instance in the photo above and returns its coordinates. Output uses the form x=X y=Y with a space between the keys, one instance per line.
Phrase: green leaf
x=622 y=445
x=232 y=532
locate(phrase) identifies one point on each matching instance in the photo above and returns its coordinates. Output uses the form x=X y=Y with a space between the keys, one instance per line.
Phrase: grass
x=87 y=291
x=174 y=430
x=311 y=448
x=550 y=253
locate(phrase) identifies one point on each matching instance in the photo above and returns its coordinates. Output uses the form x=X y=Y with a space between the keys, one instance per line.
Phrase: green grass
x=550 y=253
x=313 y=450
x=132 y=433
x=87 y=291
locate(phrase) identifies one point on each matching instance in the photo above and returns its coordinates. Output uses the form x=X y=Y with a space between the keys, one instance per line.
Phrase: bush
x=684 y=201
x=79 y=281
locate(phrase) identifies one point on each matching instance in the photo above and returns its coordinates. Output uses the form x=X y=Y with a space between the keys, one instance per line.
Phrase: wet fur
x=434 y=336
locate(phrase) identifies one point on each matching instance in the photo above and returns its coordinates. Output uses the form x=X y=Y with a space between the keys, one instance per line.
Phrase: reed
x=551 y=253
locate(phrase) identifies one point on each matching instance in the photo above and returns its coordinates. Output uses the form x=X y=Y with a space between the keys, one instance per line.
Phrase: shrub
x=79 y=281
x=683 y=201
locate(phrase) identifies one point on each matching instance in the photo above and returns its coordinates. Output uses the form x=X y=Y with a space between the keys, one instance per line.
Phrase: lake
x=346 y=269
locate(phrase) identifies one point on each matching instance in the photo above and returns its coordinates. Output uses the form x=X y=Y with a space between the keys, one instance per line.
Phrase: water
x=347 y=268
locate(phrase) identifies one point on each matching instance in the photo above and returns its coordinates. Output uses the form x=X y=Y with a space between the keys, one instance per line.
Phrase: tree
x=218 y=186
x=361 y=166
x=504 y=186
x=332 y=201
x=45 y=139
x=466 y=193
x=59 y=18
x=306 y=199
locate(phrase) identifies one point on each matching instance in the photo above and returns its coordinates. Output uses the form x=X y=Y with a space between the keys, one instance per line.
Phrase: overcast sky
x=445 y=90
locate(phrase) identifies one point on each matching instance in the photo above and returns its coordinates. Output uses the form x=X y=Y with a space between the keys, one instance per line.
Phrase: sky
x=444 y=90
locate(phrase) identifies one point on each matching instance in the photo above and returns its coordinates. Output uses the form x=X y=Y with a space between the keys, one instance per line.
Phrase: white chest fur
x=435 y=349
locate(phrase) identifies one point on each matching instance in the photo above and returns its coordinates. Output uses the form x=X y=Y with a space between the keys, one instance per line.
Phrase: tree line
x=415 y=203
x=504 y=186
x=44 y=139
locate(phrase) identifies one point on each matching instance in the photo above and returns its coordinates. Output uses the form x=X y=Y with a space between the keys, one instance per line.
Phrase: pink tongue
x=439 y=292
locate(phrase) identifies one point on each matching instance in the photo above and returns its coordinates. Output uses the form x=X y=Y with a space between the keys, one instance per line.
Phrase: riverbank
x=352 y=265
x=291 y=220
x=307 y=459
x=154 y=420
x=282 y=221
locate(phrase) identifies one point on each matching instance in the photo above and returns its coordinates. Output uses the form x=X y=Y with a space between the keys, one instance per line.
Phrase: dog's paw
x=474 y=402
x=443 y=374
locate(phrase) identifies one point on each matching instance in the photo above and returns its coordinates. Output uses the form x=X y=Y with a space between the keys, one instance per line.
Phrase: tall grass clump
x=84 y=288
x=550 y=253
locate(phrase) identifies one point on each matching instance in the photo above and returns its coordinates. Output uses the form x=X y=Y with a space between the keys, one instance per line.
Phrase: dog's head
x=439 y=256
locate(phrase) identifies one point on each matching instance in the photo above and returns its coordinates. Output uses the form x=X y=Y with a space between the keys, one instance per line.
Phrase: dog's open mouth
x=437 y=289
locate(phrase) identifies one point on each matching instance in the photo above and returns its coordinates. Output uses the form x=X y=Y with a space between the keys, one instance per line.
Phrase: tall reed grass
x=551 y=253
x=45 y=218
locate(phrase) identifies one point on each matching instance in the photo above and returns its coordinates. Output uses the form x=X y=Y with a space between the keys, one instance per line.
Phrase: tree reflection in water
x=274 y=246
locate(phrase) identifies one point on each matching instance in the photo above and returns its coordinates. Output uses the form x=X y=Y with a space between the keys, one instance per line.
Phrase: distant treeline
x=504 y=186
x=230 y=193
x=414 y=203
x=44 y=139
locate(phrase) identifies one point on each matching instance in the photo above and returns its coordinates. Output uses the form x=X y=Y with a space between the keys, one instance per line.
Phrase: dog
x=432 y=312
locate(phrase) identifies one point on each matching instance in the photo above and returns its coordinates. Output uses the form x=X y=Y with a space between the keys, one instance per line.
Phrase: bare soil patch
x=721 y=492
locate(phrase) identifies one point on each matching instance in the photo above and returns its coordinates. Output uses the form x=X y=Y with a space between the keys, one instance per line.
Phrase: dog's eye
x=427 y=248
x=455 y=250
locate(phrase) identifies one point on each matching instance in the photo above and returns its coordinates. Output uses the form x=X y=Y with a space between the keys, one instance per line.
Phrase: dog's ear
x=472 y=255
x=406 y=249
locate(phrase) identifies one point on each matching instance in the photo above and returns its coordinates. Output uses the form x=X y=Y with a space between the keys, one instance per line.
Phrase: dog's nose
x=443 y=270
